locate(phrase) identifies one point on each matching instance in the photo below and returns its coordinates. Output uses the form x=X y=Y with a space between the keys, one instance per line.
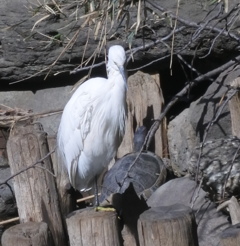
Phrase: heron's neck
x=117 y=79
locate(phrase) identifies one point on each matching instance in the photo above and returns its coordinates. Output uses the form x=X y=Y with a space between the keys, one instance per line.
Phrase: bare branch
x=194 y=24
x=27 y=168
x=176 y=98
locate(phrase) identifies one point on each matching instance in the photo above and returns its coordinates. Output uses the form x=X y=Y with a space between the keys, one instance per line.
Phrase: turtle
x=146 y=171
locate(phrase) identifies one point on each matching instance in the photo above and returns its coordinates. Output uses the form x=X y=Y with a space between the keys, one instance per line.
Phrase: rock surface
x=188 y=129
x=35 y=41
x=181 y=190
x=181 y=141
x=219 y=167
x=8 y=207
x=42 y=101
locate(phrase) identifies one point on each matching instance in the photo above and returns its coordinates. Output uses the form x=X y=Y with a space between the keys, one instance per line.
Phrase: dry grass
x=9 y=116
x=102 y=18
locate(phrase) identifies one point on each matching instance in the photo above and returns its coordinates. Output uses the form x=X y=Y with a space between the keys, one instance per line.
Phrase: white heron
x=93 y=123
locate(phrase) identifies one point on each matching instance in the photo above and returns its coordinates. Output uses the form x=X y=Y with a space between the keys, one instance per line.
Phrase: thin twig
x=175 y=99
x=133 y=51
x=5 y=222
x=194 y=198
x=173 y=37
x=230 y=170
x=87 y=198
x=194 y=24
x=232 y=91
x=29 y=167
x=44 y=168
x=8 y=120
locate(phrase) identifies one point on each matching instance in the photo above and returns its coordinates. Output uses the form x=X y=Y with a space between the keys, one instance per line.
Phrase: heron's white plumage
x=93 y=123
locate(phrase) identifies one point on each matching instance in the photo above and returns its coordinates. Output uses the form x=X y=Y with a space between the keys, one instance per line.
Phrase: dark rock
x=3 y=142
x=185 y=191
x=181 y=141
x=203 y=111
x=189 y=128
x=8 y=207
x=46 y=100
x=219 y=167
x=29 y=46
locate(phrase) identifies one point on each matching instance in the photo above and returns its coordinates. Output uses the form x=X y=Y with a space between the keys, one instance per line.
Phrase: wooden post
x=167 y=226
x=145 y=101
x=66 y=198
x=230 y=236
x=28 y=234
x=35 y=189
x=234 y=106
x=87 y=227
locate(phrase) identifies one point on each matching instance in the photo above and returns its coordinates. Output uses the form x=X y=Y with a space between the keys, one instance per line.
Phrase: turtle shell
x=146 y=172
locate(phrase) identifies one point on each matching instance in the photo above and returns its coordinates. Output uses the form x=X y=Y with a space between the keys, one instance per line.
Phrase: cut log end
x=234 y=106
x=90 y=227
x=164 y=226
x=28 y=234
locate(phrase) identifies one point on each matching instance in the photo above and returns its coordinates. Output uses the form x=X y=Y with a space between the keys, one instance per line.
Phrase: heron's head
x=116 y=57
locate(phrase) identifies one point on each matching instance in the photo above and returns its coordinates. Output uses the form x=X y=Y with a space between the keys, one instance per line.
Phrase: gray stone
x=181 y=141
x=188 y=129
x=42 y=101
x=219 y=167
x=203 y=111
x=8 y=207
x=181 y=190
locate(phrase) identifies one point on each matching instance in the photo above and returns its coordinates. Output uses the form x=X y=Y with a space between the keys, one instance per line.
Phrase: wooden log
x=131 y=206
x=230 y=236
x=129 y=237
x=145 y=101
x=65 y=192
x=234 y=106
x=233 y=208
x=35 y=190
x=28 y=234
x=87 y=227
x=167 y=226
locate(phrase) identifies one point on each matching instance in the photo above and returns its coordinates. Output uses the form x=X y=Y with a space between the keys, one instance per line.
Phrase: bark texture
x=35 y=187
x=39 y=39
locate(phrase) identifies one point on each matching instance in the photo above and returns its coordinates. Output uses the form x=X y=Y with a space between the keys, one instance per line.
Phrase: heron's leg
x=96 y=192
x=97 y=206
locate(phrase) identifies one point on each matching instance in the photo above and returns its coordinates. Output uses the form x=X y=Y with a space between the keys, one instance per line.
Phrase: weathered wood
x=145 y=100
x=230 y=236
x=27 y=234
x=18 y=61
x=234 y=106
x=35 y=190
x=129 y=239
x=86 y=227
x=233 y=208
x=167 y=226
x=131 y=206
x=65 y=195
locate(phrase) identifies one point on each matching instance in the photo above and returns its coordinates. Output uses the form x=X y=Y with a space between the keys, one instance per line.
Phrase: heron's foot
x=106 y=209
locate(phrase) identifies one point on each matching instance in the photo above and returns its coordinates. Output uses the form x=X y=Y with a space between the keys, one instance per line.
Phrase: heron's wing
x=75 y=126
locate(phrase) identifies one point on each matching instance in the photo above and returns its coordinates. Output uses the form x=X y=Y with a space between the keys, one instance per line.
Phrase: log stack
x=41 y=216
x=35 y=189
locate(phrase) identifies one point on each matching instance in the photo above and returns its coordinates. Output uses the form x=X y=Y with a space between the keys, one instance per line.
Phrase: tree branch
x=5 y=182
